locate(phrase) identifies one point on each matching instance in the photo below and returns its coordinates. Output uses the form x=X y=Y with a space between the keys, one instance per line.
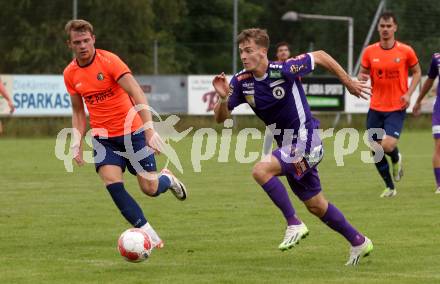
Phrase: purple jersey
x=434 y=70
x=278 y=97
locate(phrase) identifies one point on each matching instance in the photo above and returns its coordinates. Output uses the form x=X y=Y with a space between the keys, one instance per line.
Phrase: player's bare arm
x=364 y=74
x=8 y=99
x=427 y=85
x=357 y=88
x=416 y=75
x=79 y=123
x=131 y=86
x=221 y=111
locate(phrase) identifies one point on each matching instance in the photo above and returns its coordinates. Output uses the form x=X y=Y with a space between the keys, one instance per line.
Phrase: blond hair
x=260 y=37
x=78 y=26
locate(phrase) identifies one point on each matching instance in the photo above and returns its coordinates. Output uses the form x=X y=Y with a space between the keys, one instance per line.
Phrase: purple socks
x=336 y=220
x=278 y=194
x=437 y=176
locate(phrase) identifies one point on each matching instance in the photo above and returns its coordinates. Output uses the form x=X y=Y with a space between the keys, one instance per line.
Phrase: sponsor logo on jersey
x=248 y=85
x=274 y=74
x=297 y=68
x=278 y=92
x=376 y=59
x=249 y=92
x=275 y=66
x=99 y=97
x=397 y=59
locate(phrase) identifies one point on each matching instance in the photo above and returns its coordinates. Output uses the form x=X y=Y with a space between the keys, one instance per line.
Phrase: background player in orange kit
x=109 y=90
x=387 y=63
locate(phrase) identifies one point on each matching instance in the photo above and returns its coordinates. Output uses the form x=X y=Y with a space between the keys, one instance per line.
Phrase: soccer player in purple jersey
x=276 y=95
x=433 y=72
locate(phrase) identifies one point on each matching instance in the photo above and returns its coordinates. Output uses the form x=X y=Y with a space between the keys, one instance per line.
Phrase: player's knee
x=316 y=210
x=437 y=153
x=388 y=146
x=260 y=173
x=149 y=187
x=318 y=207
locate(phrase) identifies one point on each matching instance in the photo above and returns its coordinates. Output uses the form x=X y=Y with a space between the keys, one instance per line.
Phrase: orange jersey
x=108 y=104
x=389 y=74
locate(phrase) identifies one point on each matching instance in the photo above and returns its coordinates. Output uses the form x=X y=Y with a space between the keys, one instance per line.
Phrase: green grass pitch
x=59 y=227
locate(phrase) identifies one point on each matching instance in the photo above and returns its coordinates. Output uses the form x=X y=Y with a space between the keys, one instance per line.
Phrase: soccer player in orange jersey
x=387 y=63
x=102 y=81
x=8 y=99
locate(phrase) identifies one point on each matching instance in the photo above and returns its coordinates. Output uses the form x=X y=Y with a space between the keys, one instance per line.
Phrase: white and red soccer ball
x=135 y=245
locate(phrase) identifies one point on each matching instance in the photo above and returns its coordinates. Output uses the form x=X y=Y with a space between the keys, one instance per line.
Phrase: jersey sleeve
x=117 y=67
x=365 y=62
x=69 y=87
x=298 y=66
x=433 y=68
x=412 y=57
x=235 y=97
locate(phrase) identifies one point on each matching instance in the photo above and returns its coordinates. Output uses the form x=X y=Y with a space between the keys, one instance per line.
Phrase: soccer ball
x=134 y=245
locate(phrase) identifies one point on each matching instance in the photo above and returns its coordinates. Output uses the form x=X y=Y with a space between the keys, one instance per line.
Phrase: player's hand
x=417 y=109
x=11 y=107
x=78 y=155
x=154 y=140
x=360 y=89
x=406 y=99
x=221 y=85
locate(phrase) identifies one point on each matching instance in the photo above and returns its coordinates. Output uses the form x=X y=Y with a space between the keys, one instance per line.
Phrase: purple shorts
x=305 y=185
x=436 y=123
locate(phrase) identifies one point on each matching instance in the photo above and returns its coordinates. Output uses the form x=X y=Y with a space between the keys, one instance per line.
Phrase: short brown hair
x=78 y=26
x=388 y=15
x=282 y=43
x=260 y=37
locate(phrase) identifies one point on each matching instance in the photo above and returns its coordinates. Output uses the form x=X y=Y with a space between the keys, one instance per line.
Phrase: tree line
x=195 y=37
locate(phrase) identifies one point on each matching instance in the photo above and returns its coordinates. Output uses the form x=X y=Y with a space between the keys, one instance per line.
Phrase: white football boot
x=293 y=234
x=388 y=192
x=176 y=187
x=155 y=239
x=360 y=251
x=398 y=169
